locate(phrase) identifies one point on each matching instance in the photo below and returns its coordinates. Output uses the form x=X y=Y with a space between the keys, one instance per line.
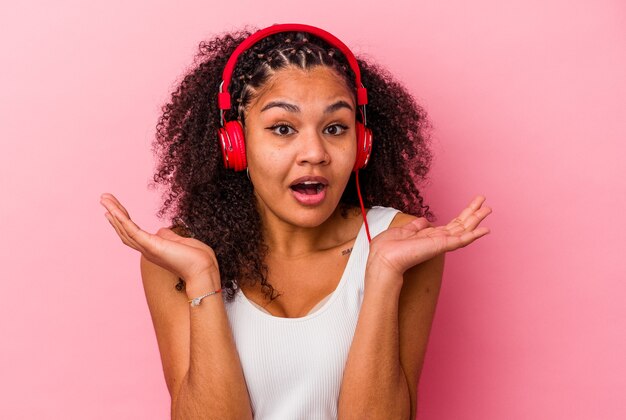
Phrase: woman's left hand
x=400 y=248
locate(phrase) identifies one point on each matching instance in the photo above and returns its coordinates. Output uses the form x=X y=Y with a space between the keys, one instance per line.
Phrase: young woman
x=314 y=321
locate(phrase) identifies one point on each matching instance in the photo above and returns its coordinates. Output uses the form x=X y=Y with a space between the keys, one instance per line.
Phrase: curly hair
x=217 y=205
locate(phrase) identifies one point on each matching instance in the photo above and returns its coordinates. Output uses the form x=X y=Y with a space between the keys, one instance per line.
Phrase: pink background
x=528 y=103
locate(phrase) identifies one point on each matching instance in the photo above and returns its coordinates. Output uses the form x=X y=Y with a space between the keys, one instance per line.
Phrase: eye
x=281 y=129
x=336 y=129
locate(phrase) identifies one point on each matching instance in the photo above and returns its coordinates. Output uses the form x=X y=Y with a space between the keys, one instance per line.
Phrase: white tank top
x=293 y=367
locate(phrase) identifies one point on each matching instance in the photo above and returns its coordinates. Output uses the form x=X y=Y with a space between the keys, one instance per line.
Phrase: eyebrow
x=294 y=108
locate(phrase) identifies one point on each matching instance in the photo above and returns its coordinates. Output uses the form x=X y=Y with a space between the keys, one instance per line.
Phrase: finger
x=482 y=231
x=110 y=204
x=438 y=241
x=477 y=202
x=474 y=219
x=119 y=231
x=457 y=222
x=123 y=232
x=114 y=211
x=121 y=221
x=470 y=217
x=420 y=223
x=132 y=231
x=455 y=227
x=454 y=242
x=471 y=208
x=469 y=237
x=114 y=200
x=120 y=206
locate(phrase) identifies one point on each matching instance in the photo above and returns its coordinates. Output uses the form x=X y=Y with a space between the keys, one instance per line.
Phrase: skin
x=304 y=141
x=292 y=131
x=404 y=267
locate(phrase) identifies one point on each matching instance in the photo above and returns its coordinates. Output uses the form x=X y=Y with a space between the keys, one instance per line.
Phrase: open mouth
x=309 y=192
x=308 y=187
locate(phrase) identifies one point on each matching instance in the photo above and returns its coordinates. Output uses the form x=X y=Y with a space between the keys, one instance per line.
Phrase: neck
x=288 y=241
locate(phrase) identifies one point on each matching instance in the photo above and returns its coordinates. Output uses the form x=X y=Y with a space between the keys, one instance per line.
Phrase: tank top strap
x=379 y=218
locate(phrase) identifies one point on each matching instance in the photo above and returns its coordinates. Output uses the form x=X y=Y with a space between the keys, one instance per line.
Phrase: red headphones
x=230 y=133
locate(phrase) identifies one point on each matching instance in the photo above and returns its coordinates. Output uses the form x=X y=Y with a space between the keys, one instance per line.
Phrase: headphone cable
x=358 y=190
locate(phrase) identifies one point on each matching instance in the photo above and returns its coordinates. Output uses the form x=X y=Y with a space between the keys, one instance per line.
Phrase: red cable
x=358 y=190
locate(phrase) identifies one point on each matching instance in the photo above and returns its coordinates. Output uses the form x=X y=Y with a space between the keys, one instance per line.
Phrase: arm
x=402 y=282
x=387 y=353
x=200 y=362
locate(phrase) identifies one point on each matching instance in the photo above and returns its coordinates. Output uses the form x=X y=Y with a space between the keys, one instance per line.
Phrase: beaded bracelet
x=196 y=301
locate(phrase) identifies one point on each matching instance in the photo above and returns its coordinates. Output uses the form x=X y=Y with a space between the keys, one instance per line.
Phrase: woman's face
x=301 y=144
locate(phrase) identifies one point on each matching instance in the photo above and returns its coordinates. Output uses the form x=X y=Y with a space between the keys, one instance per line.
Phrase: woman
x=315 y=321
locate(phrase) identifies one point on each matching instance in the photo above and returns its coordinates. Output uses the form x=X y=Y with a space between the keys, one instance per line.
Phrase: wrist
x=378 y=273
x=202 y=283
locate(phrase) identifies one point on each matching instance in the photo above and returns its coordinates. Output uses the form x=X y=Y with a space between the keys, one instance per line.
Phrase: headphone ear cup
x=363 y=145
x=233 y=146
x=225 y=146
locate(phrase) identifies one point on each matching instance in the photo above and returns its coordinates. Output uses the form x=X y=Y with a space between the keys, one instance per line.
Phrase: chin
x=309 y=217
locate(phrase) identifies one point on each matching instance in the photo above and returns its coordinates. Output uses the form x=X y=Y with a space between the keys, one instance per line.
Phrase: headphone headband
x=223 y=97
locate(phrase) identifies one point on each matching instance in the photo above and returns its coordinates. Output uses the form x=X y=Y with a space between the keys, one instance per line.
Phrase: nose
x=313 y=150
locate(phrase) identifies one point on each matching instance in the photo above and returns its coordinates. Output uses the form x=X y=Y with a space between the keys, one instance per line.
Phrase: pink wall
x=528 y=103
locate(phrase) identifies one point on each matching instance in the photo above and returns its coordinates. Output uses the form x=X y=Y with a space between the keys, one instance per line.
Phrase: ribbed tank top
x=293 y=367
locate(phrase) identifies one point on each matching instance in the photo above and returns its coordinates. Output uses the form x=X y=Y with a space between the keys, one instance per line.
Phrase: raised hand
x=186 y=257
x=401 y=248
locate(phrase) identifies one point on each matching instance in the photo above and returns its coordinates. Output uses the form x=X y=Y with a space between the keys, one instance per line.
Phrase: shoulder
x=401 y=219
x=398 y=219
x=386 y=217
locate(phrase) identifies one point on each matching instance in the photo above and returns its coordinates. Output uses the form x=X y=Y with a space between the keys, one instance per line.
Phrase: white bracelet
x=196 y=301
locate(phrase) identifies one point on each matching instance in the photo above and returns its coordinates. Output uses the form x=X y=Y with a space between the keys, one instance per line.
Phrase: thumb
x=420 y=223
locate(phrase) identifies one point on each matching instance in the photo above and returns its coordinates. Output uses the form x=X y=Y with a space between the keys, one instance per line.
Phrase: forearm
x=374 y=385
x=214 y=387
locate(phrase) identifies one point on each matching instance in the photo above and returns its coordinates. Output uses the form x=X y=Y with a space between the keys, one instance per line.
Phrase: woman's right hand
x=186 y=257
